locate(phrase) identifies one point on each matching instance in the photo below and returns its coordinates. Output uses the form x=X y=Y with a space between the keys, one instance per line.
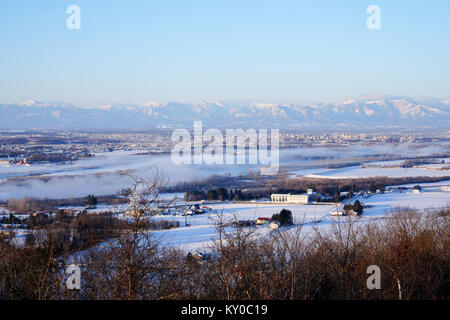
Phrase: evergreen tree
x=357 y=207
x=284 y=217
x=92 y=200
x=212 y=195
x=222 y=194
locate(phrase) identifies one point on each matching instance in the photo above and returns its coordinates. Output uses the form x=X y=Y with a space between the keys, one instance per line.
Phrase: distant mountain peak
x=27 y=103
x=352 y=113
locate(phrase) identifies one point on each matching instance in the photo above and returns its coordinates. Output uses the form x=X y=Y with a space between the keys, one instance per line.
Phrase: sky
x=139 y=51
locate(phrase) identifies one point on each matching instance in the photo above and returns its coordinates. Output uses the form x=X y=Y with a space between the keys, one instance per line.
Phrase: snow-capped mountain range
x=391 y=112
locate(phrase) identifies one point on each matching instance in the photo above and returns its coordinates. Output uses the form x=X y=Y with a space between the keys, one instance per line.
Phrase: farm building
x=343 y=213
x=261 y=221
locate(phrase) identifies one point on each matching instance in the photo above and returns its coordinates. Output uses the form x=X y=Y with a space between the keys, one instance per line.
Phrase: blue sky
x=140 y=51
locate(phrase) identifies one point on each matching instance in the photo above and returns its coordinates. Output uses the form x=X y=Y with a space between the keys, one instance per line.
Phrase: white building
x=290 y=198
x=341 y=213
x=445 y=188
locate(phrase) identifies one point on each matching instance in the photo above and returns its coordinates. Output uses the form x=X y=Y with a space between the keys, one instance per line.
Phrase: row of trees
x=262 y=188
x=416 y=162
x=332 y=187
x=221 y=194
x=29 y=205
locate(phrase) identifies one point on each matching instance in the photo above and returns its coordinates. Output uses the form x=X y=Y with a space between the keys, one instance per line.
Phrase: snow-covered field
x=201 y=233
x=436 y=185
x=358 y=172
x=428 y=199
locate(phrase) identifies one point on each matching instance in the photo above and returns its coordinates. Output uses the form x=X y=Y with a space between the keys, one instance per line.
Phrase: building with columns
x=290 y=198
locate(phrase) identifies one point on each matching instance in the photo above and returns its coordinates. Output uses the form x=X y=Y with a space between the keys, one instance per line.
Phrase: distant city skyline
x=188 y=51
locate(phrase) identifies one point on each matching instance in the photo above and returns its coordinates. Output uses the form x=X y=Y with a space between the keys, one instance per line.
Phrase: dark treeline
x=411 y=248
x=74 y=232
x=30 y=205
x=224 y=194
x=330 y=188
x=221 y=194
x=416 y=162
x=218 y=181
x=69 y=233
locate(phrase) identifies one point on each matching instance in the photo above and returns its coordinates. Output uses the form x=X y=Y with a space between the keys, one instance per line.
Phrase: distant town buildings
x=19 y=145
